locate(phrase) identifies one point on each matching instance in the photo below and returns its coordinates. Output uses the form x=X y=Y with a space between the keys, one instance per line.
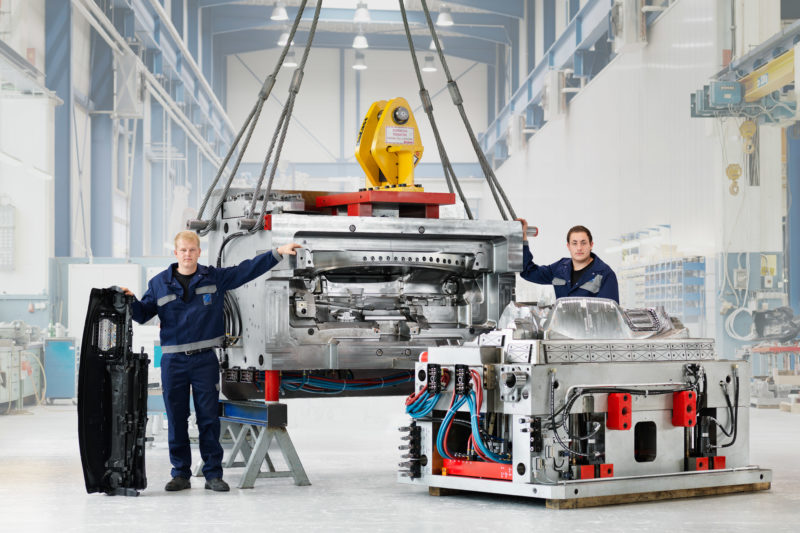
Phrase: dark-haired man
x=581 y=274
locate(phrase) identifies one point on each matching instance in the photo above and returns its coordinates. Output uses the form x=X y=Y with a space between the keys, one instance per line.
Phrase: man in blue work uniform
x=581 y=274
x=188 y=299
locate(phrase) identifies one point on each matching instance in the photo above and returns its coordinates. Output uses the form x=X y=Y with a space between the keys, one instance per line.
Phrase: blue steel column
x=549 y=23
x=530 y=29
x=515 y=51
x=792 y=228
x=193 y=175
x=58 y=61
x=501 y=76
x=574 y=7
x=219 y=75
x=177 y=15
x=490 y=88
x=209 y=170
x=206 y=45
x=136 y=223
x=178 y=141
x=156 y=180
x=192 y=18
x=103 y=134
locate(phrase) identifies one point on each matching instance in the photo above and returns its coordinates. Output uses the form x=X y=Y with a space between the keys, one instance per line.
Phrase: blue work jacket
x=198 y=323
x=598 y=280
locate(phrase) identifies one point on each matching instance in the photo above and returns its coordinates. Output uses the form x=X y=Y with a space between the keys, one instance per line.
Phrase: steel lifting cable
x=455 y=95
x=204 y=226
x=250 y=222
x=294 y=88
x=427 y=105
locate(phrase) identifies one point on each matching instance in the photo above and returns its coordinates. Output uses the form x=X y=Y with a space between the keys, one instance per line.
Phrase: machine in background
x=22 y=375
x=584 y=404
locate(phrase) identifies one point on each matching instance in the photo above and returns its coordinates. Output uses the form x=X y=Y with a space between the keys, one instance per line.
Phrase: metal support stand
x=253 y=426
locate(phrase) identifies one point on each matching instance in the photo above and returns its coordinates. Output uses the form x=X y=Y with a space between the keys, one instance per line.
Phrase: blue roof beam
x=171 y=59
x=492 y=28
x=580 y=34
x=569 y=50
x=508 y=8
x=253 y=40
x=762 y=54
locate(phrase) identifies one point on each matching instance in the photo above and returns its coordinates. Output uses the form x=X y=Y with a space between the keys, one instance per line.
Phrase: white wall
x=26 y=182
x=22 y=27
x=627 y=156
x=755 y=21
x=390 y=74
x=26 y=155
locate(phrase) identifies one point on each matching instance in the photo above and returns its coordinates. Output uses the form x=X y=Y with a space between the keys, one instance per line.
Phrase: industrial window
x=6 y=235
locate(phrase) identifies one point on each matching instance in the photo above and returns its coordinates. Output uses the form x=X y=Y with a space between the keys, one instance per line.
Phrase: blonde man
x=188 y=299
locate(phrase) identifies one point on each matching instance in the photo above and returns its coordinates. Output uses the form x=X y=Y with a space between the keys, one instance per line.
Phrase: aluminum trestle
x=253 y=427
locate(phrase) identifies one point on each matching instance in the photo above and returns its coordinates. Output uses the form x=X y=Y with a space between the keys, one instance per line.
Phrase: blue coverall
x=189 y=332
x=598 y=280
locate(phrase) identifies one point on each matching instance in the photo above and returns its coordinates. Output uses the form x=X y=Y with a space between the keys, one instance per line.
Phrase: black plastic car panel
x=112 y=398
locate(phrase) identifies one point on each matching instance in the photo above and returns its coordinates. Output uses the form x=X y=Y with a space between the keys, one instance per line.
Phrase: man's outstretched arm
x=250 y=269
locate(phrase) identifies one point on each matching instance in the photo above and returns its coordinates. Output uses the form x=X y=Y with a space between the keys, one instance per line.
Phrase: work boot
x=217 y=485
x=178 y=483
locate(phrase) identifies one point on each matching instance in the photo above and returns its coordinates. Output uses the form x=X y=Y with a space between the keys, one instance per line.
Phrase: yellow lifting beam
x=389 y=146
x=770 y=77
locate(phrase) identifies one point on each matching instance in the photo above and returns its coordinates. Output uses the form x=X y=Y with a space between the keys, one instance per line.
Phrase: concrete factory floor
x=349 y=450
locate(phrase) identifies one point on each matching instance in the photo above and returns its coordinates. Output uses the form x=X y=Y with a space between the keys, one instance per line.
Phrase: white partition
x=83 y=278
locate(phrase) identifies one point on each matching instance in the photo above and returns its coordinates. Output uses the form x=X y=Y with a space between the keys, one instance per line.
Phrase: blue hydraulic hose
x=445 y=423
x=476 y=434
x=292 y=383
x=422 y=406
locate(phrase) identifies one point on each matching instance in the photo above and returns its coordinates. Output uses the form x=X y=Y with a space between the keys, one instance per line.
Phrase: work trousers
x=200 y=371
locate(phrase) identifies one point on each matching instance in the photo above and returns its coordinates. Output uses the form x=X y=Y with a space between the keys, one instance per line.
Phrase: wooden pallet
x=790 y=407
x=597 y=501
x=774 y=404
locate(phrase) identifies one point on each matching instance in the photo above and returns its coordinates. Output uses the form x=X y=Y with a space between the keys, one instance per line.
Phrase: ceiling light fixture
x=445 y=18
x=284 y=38
x=360 y=41
x=279 y=12
x=429 y=65
x=362 y=13
x=432 y=46
x=359 y=64
x=290 y=61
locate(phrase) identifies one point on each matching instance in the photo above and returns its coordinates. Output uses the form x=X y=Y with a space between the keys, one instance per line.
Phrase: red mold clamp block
x=698 y=463
x=717 y=462
x=619 y=411
x=585 y=472
x=684 y=408
x=607 y=470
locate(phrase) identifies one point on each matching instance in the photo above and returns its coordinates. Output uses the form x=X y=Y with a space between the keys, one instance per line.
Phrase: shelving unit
x=677 y=284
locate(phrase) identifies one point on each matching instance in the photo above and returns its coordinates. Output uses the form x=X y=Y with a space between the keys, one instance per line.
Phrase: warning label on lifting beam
x=396 y=135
